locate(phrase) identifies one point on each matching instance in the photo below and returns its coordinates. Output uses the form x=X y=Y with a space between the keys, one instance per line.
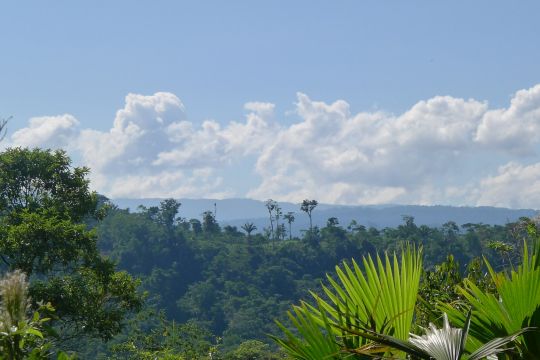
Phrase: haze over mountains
x=236 y=212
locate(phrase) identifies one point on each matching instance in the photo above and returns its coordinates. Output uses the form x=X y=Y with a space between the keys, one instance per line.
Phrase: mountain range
x=236 y=212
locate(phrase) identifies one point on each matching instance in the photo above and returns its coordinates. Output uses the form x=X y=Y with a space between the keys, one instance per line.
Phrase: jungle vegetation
x=148 y=283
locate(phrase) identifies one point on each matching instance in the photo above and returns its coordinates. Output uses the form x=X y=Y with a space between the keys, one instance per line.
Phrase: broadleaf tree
x=44 y=203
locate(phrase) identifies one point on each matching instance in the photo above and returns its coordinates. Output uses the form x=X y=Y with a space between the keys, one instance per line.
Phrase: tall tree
x=44 y=203
x=277 y=216
x=271 y=206
x=290 y=219
x=308 y=206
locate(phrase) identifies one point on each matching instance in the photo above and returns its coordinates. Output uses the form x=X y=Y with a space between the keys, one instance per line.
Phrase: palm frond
x=313 y=341
x=446 y=343
x=381 y=298
x=507 y=312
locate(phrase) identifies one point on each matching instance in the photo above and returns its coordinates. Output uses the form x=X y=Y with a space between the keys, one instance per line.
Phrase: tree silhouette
x=270 y=206
x=168 y=210
x=332 y=222
x=249 y=227
x=308 y=206
x=277 y=216
x=209 y=223
x=290 y=219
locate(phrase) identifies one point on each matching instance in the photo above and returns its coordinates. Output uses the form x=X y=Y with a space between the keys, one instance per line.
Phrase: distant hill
x=236 y=212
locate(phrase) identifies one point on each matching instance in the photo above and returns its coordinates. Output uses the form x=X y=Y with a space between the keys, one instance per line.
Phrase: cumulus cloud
x=137 y=137
x=47 y=132
x=152 y=150
x=443 y=150
x=514 y=129
x=436 y=152
x=515 y=185
x=201 y=183
x=368 y=157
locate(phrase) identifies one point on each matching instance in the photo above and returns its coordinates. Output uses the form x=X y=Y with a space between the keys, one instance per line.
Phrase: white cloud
x=139 y=134
x=515 y=186
x=368 y=157
x=514 y=129
x=152 y=150
x=47 y=132
x=195 y=184
x=443 y=150
x=263 y=109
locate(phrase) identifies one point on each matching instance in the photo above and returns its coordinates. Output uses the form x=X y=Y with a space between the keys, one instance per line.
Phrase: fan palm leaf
x=381 y=297
x=311 y=341
x=515 y=306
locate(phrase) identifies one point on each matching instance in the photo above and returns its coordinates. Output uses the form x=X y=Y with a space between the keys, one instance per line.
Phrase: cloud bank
x=442 y=150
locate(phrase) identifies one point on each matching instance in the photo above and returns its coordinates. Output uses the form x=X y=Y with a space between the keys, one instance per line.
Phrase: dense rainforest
x=235 y=282
x=148 y=283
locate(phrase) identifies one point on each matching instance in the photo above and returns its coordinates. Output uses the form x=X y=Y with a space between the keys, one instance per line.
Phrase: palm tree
x=515 y=305
x=290 y=219
x=249 y=227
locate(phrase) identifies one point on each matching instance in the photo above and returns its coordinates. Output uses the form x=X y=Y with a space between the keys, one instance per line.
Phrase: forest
x=94 y=281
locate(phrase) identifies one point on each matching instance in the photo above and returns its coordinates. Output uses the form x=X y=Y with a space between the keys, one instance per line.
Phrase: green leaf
x=382 y=298
x=34 y=332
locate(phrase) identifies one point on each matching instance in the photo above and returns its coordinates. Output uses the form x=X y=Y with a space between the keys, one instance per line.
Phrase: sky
x=346 y=102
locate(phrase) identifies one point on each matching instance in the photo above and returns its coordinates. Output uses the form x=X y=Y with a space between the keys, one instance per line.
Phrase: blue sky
x=71 y=65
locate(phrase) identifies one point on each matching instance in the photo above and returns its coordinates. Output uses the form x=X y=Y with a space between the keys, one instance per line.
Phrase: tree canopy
x=44 y=202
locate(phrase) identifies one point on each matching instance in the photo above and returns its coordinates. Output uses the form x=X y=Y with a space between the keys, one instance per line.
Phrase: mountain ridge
x=237 y=211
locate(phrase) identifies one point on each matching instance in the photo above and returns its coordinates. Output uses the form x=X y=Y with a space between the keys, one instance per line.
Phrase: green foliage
x=252 y=350
x=154 y=337
x=236 y=284
x=44 y=202
x=311 y=338
x=446 y=343
x=350 y=322
x=515 y=305
x=437 y=284
x=22 y=337
x=382 y=298
x=352 y=326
